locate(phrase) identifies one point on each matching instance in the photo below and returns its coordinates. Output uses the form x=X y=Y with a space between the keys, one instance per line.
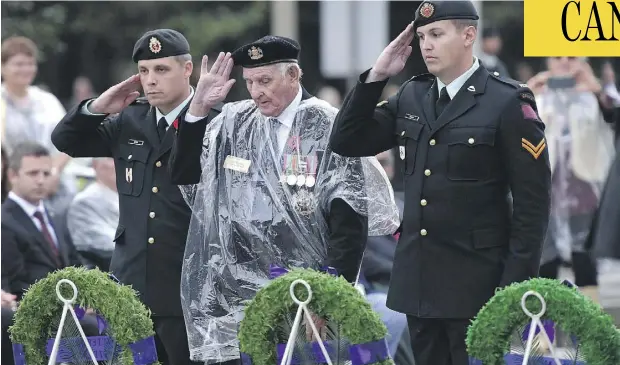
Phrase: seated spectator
x=34 y=243
x=5 y=183
x=93 y=216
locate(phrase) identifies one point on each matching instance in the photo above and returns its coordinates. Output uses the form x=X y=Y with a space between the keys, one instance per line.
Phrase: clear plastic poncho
x=255 y=207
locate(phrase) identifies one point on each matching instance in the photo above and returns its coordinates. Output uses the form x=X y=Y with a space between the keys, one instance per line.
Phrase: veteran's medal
x=310 y=181
x=291 y=180
x=301 y=180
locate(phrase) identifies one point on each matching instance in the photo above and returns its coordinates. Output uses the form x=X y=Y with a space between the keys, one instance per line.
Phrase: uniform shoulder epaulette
x=141 y=101
x=423 y=77
x=523 y=91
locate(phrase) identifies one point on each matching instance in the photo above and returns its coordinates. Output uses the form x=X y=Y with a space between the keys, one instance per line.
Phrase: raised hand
x=213 y=85
x=394 y=57
x=117 y=98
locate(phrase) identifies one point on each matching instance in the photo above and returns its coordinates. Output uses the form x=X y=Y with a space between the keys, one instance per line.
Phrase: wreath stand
x=327 y=296
x=520 y=304
x=129 y=330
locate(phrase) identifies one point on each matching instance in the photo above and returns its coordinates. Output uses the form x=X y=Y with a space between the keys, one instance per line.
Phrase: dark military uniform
x=154 y=218
x=477 y=195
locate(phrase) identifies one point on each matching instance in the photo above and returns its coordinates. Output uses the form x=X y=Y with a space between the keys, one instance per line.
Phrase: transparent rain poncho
x=256 y=208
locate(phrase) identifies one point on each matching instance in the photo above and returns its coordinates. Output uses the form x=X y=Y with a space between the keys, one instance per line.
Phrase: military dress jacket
x=154 y=217
x=477 y=187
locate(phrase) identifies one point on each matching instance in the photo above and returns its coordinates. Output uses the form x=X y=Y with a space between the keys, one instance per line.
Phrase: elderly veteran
x=266 y=191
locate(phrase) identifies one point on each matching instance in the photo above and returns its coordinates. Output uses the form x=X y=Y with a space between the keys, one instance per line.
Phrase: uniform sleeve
x=82 y=135
x=364 y=126
x=526 y=160
x=184 y=161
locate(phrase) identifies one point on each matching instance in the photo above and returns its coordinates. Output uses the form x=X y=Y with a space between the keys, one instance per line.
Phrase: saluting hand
x=213 y=85
x=117 y=98
x=394 y=57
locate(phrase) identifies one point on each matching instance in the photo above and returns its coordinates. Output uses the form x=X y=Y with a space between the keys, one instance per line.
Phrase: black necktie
x=161 y=128
x=442 y=102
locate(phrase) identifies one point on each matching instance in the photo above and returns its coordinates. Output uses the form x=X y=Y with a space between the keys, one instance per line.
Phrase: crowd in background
x=73 y=204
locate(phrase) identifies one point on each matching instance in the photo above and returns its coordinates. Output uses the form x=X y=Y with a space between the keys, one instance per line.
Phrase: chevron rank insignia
x=535 y=151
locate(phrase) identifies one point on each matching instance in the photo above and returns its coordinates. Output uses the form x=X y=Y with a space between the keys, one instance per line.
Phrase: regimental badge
x=427 y=10
x=154 y=45
x=128 y=174
x=255 y=53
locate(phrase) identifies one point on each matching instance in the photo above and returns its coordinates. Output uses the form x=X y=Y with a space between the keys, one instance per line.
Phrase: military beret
x=160 y=43
x=432 y=11
x=266 y=51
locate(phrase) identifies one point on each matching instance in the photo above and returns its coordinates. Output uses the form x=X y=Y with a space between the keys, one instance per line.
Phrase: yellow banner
x=571 y=28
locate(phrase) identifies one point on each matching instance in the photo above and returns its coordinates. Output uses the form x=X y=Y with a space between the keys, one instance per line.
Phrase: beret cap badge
x=154 y=45
x=426 y=10
x=255 y=53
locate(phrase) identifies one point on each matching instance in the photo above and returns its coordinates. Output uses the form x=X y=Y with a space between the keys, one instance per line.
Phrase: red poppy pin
x=175 y=124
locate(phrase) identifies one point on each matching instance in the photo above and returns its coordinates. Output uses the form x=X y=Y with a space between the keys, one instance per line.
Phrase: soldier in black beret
x=476 y=176
x=490 y=48
x=154 y=218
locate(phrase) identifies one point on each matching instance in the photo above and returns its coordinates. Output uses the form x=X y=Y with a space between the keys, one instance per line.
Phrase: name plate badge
x=237 y=164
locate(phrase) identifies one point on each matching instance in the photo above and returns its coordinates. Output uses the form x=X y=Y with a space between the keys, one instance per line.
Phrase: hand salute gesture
x=394 y=57
x=213 y=85
x=117 y=98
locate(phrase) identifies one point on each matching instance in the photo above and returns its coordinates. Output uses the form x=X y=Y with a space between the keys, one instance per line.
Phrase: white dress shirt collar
x=174 y=113
x=27 y=206
x=456 y=85
x=288 y=115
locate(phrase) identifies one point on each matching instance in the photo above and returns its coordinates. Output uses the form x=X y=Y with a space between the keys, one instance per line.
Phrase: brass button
x=151 y=240
x=427 y=172
x=471 y=141
x=432 y=142
x=158 y=163
x=129 y=157
x=155 y=190
x=423 y=232
x=152 y=214
x=423 y=202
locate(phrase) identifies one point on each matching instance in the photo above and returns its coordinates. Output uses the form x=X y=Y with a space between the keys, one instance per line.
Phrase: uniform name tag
x=237 y=164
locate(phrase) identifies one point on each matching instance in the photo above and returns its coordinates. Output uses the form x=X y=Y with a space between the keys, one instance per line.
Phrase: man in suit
x=268 y=196
x=34 y=243
x=477 y=176
x=154 y=218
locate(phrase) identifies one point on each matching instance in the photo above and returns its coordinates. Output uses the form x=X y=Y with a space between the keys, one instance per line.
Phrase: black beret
x=160 y=43
x=432 y=11
x=266 y=51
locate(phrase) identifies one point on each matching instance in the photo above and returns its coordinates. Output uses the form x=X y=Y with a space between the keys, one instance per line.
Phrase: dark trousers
x=171 y=341
x=437 y=341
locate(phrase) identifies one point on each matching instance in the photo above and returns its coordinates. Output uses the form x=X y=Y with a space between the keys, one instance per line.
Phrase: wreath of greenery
x=332 y=298
x=127 y=318
x=488 y=337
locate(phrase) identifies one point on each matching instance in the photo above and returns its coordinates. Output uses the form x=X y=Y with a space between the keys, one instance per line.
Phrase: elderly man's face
x=272 y=87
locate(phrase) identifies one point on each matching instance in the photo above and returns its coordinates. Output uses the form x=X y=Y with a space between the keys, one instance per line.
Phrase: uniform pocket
x=470 y=153
x=119 y=235
x=408 y=135
x=131 y=169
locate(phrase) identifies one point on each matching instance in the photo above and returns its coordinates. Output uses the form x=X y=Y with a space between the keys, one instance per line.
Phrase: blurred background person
x=580 y=145
x=5 y=183
x=30 y=114
x=93 y=216
x=490 y=49
x=331 y=95
x=82 y=89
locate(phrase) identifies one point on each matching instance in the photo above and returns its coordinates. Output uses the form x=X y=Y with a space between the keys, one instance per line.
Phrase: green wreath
x=488 y=337
x=128 y=320
x=332 y=298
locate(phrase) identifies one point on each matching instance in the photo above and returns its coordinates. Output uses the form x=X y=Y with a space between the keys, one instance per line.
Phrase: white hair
x=286 y=66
